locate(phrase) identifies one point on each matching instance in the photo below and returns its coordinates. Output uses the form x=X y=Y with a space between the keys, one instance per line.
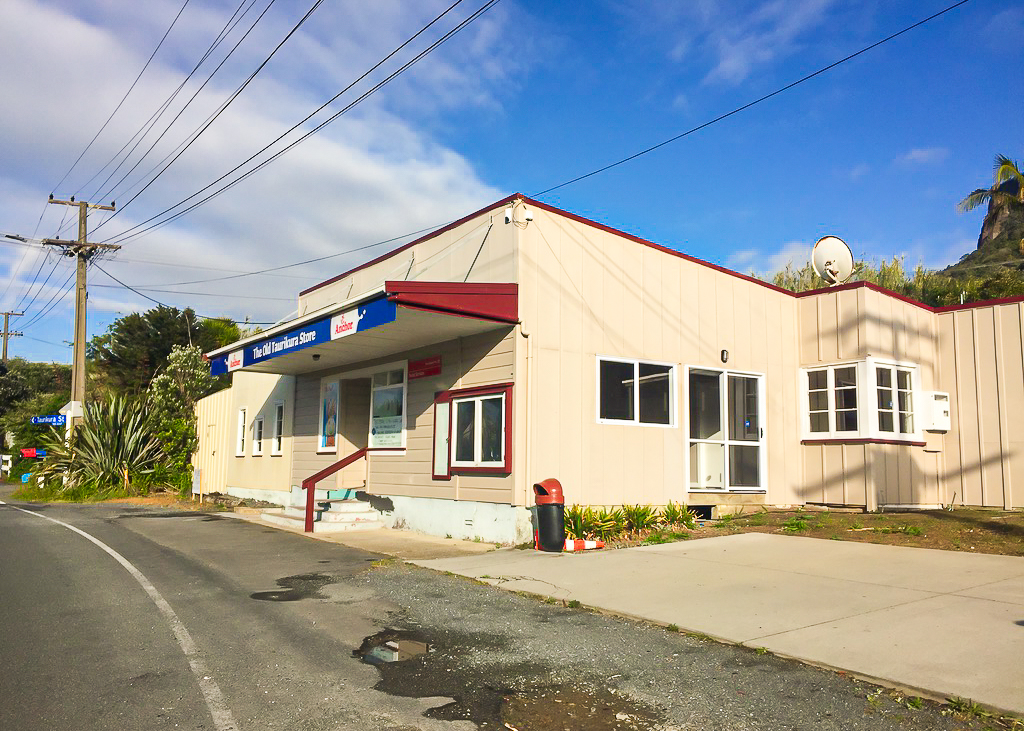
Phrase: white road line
x=222 y=718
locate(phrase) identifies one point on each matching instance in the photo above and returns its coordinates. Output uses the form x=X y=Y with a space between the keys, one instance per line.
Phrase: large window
x=635 y=392
x=277 y=442
x=473 y=431
x=387 y=421
x=867 y=399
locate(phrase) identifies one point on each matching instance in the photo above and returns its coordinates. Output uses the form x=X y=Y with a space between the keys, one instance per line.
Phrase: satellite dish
x=832 y=260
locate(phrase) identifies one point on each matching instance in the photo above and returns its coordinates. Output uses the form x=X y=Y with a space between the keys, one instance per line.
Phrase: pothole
x=294 y=588
x=494 y=695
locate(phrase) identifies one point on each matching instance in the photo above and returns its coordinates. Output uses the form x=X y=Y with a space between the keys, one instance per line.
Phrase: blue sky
x=877 y=151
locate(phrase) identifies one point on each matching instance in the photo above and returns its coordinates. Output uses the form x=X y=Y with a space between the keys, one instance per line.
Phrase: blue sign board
x=26 y=477
x=364 y=317
x=52 y=420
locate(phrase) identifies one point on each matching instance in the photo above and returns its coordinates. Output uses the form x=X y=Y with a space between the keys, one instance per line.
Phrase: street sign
x=52 y=419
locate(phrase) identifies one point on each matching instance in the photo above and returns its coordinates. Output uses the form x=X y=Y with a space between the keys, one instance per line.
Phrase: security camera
x=527 y=214
x=508 y=215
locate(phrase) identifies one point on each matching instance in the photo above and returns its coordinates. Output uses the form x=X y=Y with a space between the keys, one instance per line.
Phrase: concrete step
x=345 y=511
x=321 y=526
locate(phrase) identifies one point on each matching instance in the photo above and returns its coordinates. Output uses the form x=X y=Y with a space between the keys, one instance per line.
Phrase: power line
x=126 y=235
x=263 y=298
x=146 y=296
x=223 y=107
x=229 y=25
x=120 y=103
x=719 y=118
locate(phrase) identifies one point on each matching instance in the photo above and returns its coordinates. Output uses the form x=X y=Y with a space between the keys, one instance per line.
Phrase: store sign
x=52 y=420
x=424 y=368
x=372 y=314
x=345 y=324
x=33 y=453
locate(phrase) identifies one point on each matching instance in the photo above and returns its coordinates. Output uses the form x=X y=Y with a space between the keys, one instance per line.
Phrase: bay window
x=866 y=399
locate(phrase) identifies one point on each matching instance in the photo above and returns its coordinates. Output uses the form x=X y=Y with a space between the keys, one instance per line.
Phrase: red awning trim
x=497 y=302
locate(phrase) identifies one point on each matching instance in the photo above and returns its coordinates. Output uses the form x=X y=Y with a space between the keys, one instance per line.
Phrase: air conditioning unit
x=935 y=413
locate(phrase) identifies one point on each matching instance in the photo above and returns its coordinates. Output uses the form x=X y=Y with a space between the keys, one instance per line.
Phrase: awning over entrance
x=400 y=316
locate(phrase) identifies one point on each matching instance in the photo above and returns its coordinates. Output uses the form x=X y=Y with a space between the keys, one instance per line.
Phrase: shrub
x=641 y=517
x=679 y=514
x=579 y=522
x=609 y=523
x=112 y=452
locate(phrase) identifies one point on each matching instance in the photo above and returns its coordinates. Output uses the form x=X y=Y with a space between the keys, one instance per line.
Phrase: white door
x=726 y=430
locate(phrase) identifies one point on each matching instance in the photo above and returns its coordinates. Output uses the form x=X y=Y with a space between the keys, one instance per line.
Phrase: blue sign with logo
x=26 y=477
x=364 y=317
x=52 y=420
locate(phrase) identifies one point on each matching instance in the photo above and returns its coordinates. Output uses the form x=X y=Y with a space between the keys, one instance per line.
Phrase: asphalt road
x=215 y=623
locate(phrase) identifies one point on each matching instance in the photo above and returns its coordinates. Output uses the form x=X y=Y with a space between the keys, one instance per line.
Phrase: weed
x=574 y=604
x=549 y=600
x=966 y=707
x=796 y=524
x=762 y=651
x=486 y=576
x=916 y=703
x=910 y=530
x=673 y=628
x=448 y=535
x=856 y=525
x=477 y=539
x=664 y=536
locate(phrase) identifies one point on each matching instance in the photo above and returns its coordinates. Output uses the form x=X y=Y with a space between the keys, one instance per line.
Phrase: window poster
x=329 y=415
x=387 y=420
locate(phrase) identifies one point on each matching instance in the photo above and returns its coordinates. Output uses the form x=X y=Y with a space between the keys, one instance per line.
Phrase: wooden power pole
x=82 y=250
x=7 y=332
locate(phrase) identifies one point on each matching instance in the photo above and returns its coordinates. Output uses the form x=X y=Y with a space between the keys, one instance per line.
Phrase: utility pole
x=82 y=250
x=7 y=332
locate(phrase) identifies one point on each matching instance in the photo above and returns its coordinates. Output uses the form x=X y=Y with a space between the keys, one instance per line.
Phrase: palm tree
x=1001 y=192
x=1007 y=192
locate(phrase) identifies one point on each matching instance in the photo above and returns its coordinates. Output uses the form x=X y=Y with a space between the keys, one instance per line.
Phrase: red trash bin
x=549 y=530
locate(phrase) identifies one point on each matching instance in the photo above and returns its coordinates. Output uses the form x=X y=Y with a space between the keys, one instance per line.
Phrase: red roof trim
x=403 y=247
x=645 y=242
x=636 y=239
x=983 y=303
x=498 y=302
x=867 y=285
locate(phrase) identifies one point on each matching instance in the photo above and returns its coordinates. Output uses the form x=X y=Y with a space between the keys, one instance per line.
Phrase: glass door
x=726 y=437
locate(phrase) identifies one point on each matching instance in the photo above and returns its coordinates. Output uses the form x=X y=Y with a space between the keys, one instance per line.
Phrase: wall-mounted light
x=725 y=356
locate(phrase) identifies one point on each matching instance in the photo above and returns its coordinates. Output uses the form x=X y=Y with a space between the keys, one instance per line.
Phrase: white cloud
x=923 y=156
x=763 y=262
x=375 y=173
x=733 y=38
x=859 y=171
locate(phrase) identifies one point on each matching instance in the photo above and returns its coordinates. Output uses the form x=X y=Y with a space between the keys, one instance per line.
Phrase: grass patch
x=673 y=628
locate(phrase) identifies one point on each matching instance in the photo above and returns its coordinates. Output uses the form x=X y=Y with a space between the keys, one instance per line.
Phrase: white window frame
x=240 y=434
x=257 y=437
x=673 y=409
x=867 y=401
x=277 y=439
x=398 y=366
x=860 y=369
x=762 y=443
x=477 y=431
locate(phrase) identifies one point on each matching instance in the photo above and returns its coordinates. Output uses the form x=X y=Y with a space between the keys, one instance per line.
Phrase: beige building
x=524 y=342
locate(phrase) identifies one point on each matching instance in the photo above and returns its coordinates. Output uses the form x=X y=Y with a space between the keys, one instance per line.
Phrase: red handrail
x=310 y=482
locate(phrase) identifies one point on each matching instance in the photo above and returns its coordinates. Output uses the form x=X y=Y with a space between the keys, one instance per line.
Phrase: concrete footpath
x=937 y=623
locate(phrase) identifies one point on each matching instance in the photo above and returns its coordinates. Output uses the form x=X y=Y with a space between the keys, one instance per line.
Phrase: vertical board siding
x=215 y=432
x=606 y=295
x=982 y=355
x=478 y=360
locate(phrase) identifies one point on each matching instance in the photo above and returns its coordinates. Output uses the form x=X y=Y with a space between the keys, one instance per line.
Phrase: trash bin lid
x=549 y=492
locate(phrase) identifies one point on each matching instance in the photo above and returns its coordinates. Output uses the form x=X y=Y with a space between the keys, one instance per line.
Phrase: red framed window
x=473 y=431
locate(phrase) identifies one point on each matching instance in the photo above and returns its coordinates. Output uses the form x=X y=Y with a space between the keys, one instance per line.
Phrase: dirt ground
x=963 y=529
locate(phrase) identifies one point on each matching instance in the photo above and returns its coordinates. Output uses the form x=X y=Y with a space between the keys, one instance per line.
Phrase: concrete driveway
x=937 y=623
